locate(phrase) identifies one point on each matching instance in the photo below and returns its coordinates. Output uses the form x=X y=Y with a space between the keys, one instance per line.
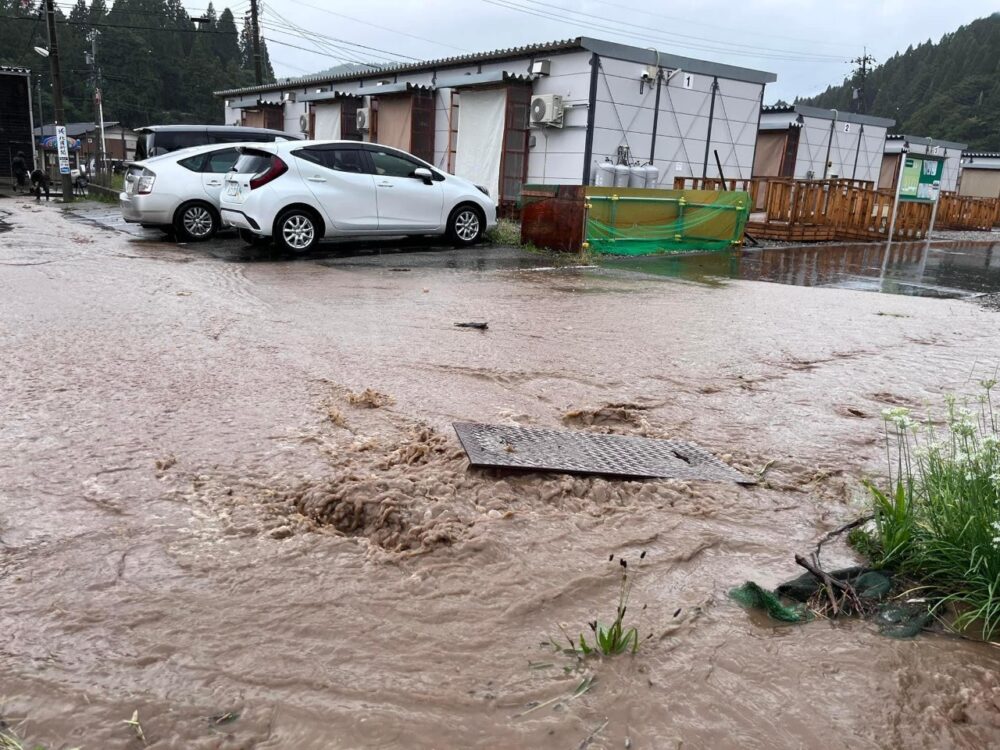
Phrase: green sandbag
x=902 y=620
x=753 y=596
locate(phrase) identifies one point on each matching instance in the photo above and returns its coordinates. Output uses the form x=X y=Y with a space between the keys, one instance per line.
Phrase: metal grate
x=499 y=446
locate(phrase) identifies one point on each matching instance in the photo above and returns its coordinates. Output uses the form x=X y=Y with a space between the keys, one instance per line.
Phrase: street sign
x=63 y=147
x=920 y=179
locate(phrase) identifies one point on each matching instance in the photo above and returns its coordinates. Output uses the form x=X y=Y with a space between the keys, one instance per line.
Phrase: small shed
x=949 y=152
x=808 y=143
x=119 y=140
x=980 y=174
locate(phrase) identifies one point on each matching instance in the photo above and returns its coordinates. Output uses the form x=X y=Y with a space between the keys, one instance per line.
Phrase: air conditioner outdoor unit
x=364 y=115
x=547 y=109
x=304 y=123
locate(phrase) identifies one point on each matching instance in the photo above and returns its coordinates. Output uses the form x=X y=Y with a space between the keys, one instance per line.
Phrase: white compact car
x=300 y=192
x=179 y=191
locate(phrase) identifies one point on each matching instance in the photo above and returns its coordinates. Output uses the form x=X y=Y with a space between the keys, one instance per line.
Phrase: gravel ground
x=963 y=235
x=989 y=301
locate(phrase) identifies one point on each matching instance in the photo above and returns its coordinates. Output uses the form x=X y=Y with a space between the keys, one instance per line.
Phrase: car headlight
x=483 y=190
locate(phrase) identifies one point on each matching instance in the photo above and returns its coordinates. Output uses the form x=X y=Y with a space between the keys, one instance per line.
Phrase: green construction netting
x=663 y=221
x=754 y=596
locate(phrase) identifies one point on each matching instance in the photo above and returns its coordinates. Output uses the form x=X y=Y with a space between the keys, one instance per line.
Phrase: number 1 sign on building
x=63 y=146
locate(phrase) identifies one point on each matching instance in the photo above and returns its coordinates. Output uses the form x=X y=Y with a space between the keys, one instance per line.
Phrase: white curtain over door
x=480 y=137
x=327 y=121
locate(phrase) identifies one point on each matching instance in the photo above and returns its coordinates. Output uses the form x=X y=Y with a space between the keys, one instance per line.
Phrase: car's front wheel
x=296 y=230
x=196 y=222
x=466 y=226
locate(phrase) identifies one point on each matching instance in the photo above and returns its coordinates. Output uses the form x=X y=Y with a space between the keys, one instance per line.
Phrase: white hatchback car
x=300 y=192
x=179 y=191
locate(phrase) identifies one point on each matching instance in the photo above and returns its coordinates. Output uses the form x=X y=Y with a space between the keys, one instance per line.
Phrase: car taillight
x=274 y=170
x=145 y=184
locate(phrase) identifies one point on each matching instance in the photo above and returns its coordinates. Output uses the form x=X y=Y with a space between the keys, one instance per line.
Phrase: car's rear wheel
x=256 y=240
x=196 y=222
x=466 y=225
x=296 y=230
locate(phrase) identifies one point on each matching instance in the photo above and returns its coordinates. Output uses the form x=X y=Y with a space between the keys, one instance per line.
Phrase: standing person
x=20 y=168
x=40 y=181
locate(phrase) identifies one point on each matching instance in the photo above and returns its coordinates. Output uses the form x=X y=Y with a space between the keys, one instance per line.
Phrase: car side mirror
x=424 y=174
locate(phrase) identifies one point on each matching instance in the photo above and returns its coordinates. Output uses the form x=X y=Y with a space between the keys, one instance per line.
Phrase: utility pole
x=859 y=92
x=95 y=73
x=59 y=115
x=255 y=29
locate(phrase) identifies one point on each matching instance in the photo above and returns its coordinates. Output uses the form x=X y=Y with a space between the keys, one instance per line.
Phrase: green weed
x=615 y=638
x=940 y=521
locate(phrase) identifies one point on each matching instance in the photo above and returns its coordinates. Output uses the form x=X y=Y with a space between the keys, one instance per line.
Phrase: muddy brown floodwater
x=205 y=518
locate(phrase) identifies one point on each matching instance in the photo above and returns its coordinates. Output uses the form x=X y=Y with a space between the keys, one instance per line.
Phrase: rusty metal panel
x=552 y=216
x=502 y=446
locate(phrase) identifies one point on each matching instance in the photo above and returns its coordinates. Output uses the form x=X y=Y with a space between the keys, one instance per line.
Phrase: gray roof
x=923 y=141
x=74 y=129
x=828 y=114
x=983 y=154
x=645 y=56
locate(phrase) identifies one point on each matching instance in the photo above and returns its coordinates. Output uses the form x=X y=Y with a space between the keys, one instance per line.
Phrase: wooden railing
x=964 y=212
x=815 y=210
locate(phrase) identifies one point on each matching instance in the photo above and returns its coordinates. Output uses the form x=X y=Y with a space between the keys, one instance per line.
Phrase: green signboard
x=921 y=179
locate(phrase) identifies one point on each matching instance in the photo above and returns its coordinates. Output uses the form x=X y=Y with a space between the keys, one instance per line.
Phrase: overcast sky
x=808 y=43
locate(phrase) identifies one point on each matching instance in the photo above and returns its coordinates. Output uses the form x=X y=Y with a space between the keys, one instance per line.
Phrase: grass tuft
x=615 y=638
x=506 y=232
x=938 y=519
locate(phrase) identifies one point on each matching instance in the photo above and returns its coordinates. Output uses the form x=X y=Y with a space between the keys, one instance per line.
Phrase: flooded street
x=205 y=518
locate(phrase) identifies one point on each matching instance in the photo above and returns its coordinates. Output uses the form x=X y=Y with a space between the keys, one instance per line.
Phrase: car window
x=253 y=162
x=194 y=163
x=338 y=159
x=221 y=161
x=165 y=141
x=345 y=160
x=391 y=165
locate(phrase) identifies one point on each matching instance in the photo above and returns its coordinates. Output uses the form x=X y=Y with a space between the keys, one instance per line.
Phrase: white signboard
x=63 y=146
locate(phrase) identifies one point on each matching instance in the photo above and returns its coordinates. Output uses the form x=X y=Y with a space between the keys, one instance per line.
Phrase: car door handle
x=316 y=179
x=385 y=184
x=215 y=184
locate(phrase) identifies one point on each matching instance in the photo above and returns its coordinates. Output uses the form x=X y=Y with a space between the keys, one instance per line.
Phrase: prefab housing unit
x=808 y=143
x=16 y=121
x=950 y=153
x=544 y=113
x=980 y=175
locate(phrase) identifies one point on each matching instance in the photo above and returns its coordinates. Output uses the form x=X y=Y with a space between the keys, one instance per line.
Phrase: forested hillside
x=158 y=64
x=949 y=90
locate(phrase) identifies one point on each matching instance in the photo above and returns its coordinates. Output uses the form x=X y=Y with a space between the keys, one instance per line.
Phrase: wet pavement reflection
x=948 y=270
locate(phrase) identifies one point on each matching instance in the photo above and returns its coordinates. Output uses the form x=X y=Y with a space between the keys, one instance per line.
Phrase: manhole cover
x=499 y=446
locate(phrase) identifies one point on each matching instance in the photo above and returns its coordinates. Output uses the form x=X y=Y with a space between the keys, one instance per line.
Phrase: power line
x=558 y=14
x=383 y=28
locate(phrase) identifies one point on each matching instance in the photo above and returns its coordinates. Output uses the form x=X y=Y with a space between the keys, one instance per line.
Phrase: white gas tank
x=605 y=174
x=652 y=175
x=622 y=172
x=637 y=176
